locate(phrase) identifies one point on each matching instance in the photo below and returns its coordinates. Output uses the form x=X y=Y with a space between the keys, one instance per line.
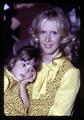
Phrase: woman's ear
x=36 y=39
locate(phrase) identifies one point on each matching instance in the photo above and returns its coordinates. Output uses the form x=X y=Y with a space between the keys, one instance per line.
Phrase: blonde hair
x=64 y=28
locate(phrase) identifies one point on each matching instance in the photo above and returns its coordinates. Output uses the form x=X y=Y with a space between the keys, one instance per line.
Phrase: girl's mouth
x=22 y=75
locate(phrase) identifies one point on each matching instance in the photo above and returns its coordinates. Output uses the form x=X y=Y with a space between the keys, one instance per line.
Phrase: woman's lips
x=48 y=45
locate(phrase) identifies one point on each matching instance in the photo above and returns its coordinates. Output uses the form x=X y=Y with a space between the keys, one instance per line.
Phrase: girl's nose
x=29 y=68
x=25 y=71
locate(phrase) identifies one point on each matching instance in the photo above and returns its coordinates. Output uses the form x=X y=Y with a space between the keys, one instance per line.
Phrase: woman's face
x=49 y=37
x=24 y=70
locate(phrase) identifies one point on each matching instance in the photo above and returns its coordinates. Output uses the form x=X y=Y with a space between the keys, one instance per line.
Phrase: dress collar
x=9 y=74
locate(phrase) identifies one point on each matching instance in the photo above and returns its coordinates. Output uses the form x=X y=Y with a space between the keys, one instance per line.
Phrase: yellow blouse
x=65 y=93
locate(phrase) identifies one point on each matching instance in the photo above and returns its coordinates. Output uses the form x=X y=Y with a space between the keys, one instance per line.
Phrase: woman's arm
x=66 y=94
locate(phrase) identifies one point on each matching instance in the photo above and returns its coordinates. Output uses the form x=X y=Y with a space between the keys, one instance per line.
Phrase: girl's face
x=49 y=37
x=24 y=70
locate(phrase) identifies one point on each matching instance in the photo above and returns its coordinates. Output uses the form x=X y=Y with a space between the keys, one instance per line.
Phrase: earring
x=36 y=39
x=11 y=64
x=74 y=39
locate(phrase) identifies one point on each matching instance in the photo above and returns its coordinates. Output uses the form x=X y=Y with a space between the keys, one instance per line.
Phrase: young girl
x=20 y=71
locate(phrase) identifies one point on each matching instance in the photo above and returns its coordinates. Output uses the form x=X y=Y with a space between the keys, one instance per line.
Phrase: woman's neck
x=47 y=58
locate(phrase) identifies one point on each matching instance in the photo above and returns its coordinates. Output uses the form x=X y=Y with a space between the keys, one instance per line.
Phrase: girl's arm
x=23 y=92
x=24 y=95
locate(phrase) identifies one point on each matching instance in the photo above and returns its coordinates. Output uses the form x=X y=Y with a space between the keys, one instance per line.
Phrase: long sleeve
x=66 y=94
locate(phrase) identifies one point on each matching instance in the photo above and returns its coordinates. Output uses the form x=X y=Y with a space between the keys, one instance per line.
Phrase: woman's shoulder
x=72 y=66
x=73 y=72
x=70 y=70
x=71 y=77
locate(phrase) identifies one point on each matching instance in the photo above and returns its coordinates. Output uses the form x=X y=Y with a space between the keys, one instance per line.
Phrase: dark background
x=67 y=5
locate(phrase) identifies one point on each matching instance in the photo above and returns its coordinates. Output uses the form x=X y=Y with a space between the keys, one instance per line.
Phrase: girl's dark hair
x=28 y=53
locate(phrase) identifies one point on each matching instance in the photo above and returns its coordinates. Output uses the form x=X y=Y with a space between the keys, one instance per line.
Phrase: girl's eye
x=23 y=65
x=31 y=69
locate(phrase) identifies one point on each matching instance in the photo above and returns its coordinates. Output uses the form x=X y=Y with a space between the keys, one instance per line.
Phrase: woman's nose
x=47 y=39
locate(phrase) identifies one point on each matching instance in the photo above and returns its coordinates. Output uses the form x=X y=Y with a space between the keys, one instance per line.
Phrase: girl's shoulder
x=9 y=79
x=6 y=80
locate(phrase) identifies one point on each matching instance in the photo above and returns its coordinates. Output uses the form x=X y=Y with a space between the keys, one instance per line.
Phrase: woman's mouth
x=48 y=45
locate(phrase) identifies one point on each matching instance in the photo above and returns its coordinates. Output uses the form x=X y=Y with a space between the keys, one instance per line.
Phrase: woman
x=58 y=82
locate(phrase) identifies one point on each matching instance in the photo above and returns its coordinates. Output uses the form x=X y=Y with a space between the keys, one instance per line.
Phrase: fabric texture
x=54 y=90
x=52 y=94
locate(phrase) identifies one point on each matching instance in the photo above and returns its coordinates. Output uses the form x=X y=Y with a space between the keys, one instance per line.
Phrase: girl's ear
x=34 y=75
x=12 y=61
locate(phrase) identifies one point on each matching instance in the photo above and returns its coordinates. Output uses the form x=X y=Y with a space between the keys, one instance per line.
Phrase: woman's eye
x=53 y=33
x=42 y=32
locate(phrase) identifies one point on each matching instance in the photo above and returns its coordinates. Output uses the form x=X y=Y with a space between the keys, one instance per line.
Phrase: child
x=20 y=71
